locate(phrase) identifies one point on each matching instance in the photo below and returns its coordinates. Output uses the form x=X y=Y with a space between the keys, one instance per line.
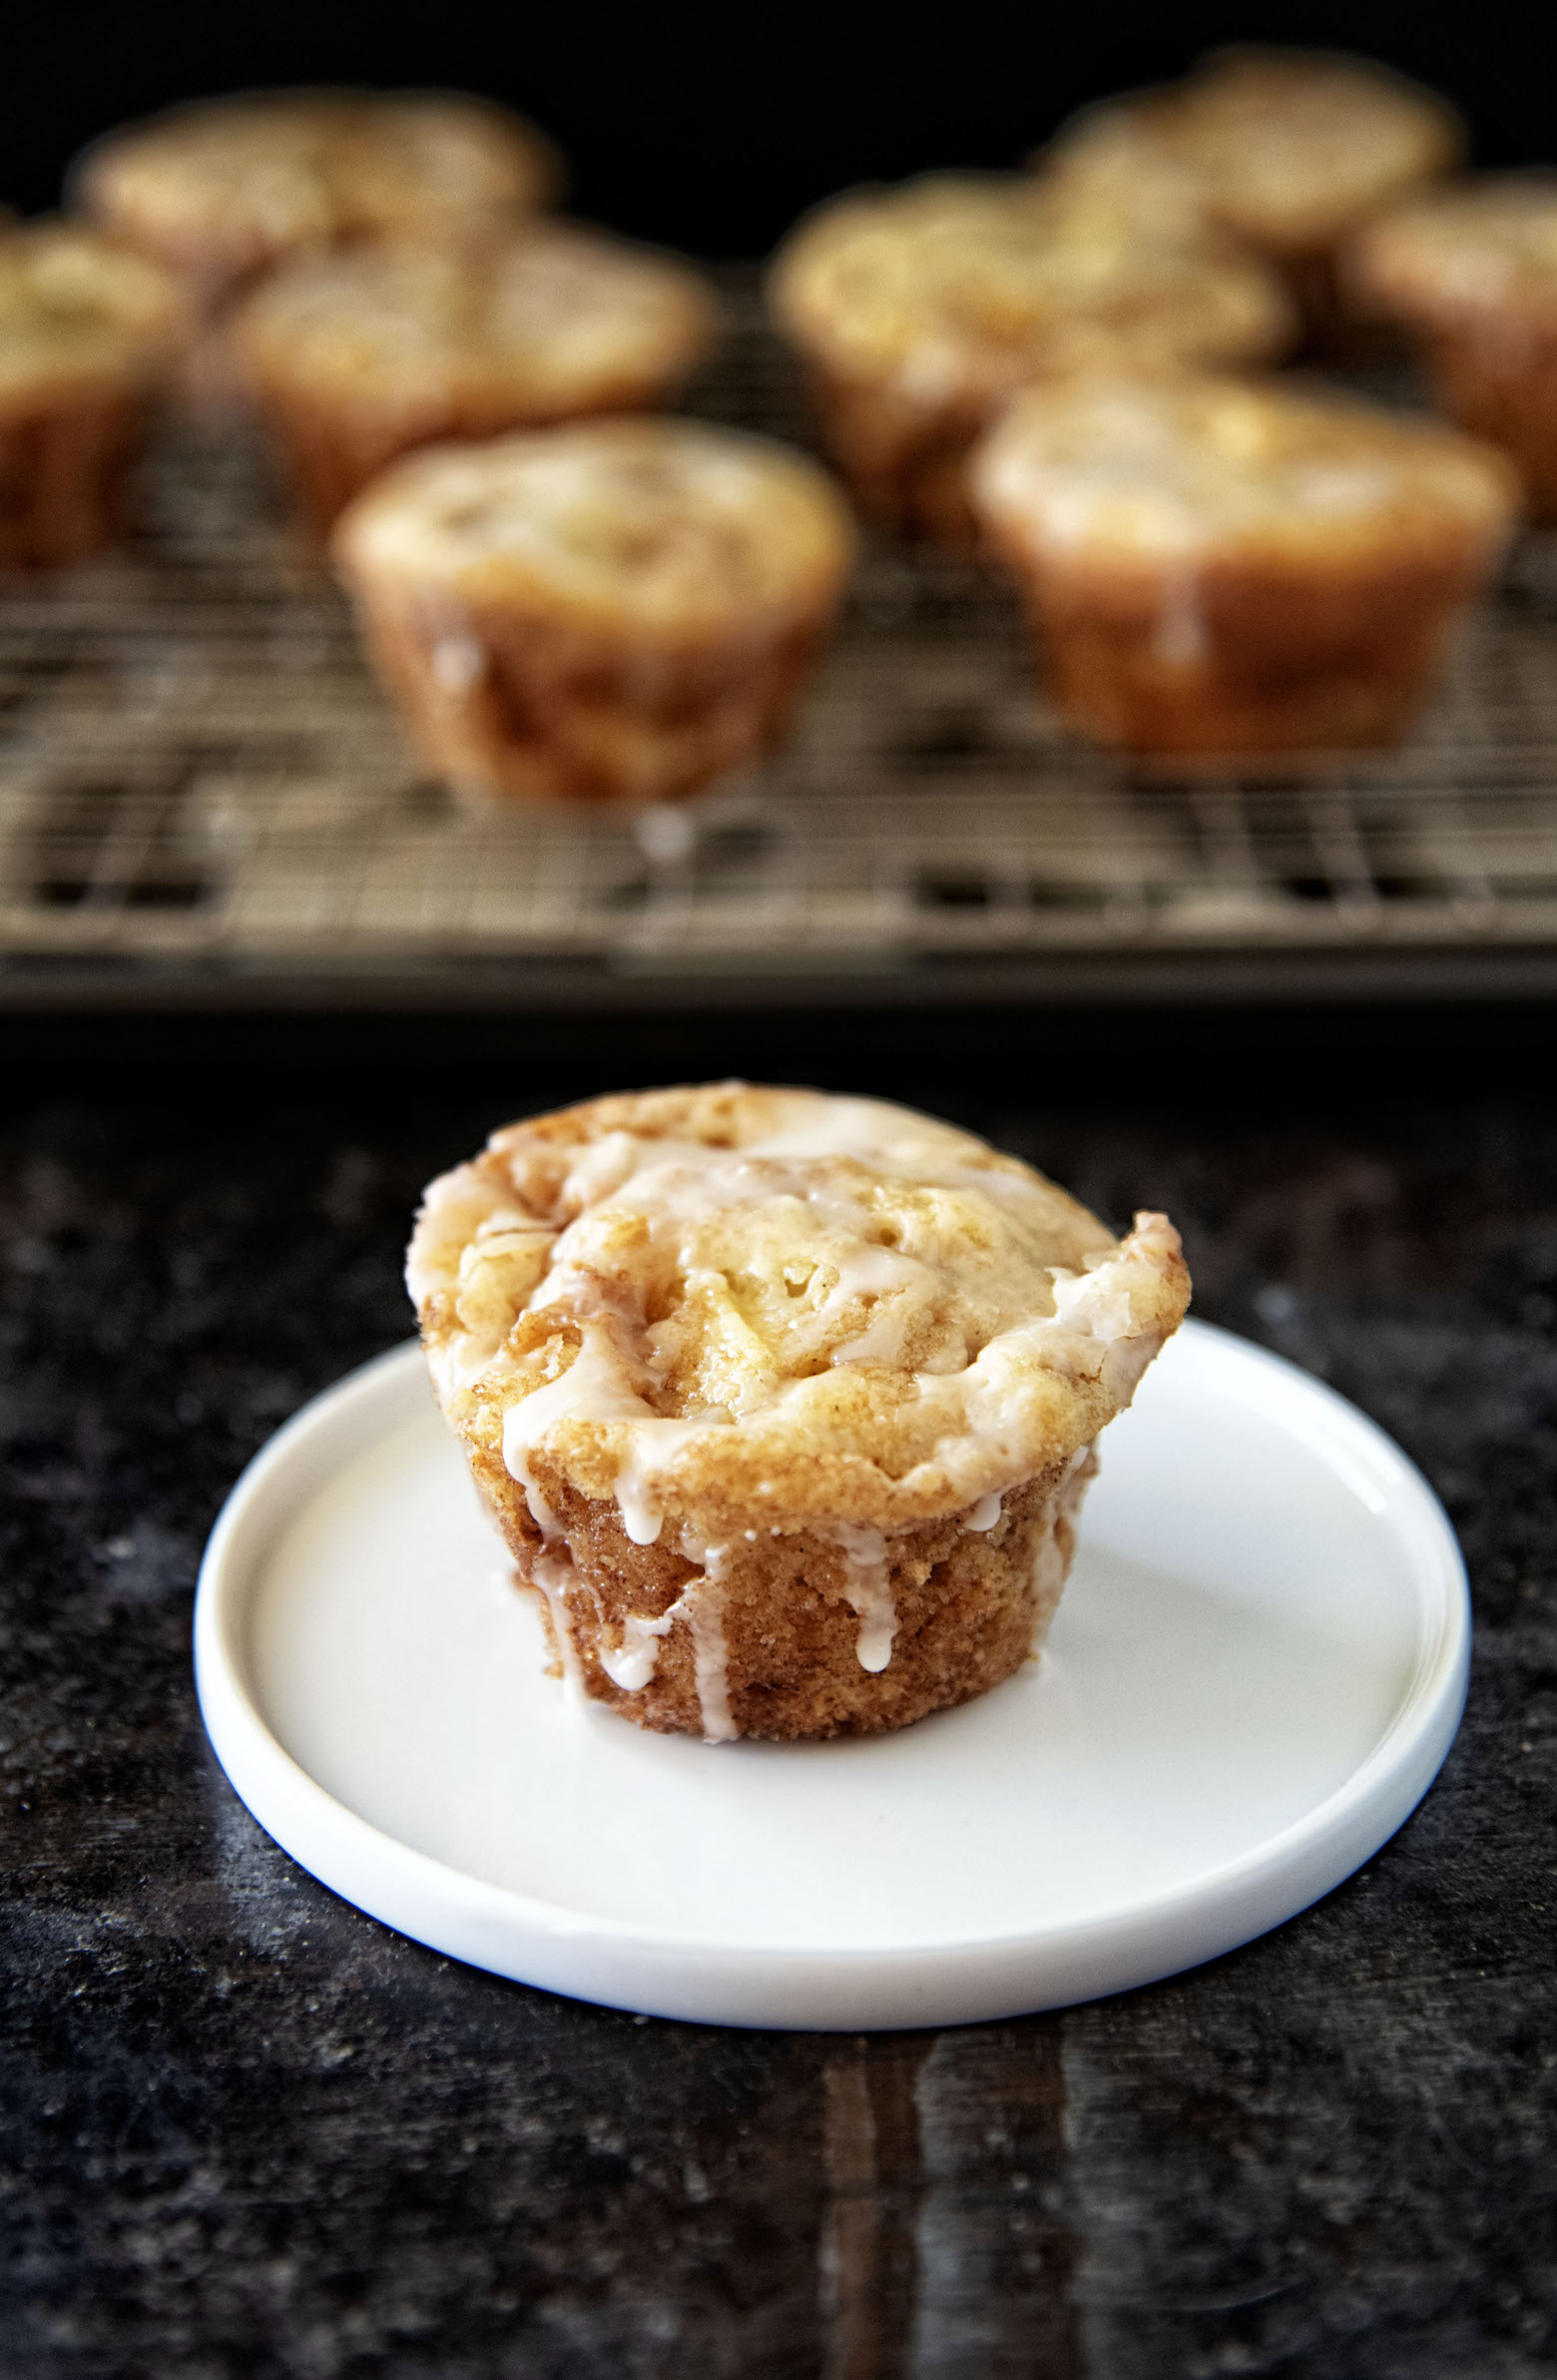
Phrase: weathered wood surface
x=248 y=2132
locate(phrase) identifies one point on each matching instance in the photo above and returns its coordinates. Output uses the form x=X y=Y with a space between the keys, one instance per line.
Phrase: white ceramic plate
x=1258 y=1667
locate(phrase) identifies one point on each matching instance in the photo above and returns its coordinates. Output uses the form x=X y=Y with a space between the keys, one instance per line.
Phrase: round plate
x=1258 y=1666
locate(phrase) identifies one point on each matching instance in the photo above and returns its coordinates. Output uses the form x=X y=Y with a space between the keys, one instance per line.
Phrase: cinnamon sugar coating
x=814 y=1377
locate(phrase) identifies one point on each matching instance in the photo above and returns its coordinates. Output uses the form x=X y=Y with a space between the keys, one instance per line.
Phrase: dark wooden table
x=246 y=2131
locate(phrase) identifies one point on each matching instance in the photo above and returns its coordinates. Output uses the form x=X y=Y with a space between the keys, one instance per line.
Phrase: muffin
x=1288 y=151
x=88 y=334
x=615 y=611
x=919 y=310
x=784 y=1405
x=1473 y=274
x=359 y=356
x=223 y=189
x=1216 y=567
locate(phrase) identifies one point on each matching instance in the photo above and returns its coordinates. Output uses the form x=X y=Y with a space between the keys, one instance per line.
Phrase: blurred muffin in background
x=221 y=189
x=1472 y=273
x=88 y=336
x=1287 y=150
x=360 y=357
x=613 y=611
x=919 y=310
x=1219 y=567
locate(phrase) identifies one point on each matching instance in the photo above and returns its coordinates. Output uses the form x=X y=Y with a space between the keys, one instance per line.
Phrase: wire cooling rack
x=203 y=801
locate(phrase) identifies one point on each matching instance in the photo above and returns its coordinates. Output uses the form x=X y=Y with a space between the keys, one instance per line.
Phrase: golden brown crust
x=1474 y=275
x=617 y=612
x=219 y=189
x=785 y=1404
x=363 y=355
x=1214 y=567
x=920 y=310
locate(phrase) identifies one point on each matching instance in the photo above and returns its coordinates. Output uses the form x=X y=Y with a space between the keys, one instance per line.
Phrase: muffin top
x=665 y=527
x=1485 y=249
x=550 y=316
x=225 y=187
x=74 y=307
x=1153 y=473
x=1285 y=149
x=754 y=1307
x=962 y=287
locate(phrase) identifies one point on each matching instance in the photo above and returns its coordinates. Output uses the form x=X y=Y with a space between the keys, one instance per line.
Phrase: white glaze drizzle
x=1181 y=638
x=705 y=1600
x=541 y=1512
x=1093 y=1333
x=596 y=1385
x=1090 y=1332
x=457 y=662
x=868 y=1589
x=985 y=1512
x=631 y=1663
x=553 y=1573
x=1048 y=1559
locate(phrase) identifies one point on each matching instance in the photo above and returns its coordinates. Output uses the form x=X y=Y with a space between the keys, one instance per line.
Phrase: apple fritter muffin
x=920 y=310
x=220 y=189
x=89 y=335
x=1472 y=276
x=615 y=611
x=1287 y=150
x=785 y=1404
x=1214 y=566
x=366 y=353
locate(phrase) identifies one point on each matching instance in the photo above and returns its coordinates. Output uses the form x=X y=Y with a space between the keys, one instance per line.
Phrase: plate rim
x=1314 y=1853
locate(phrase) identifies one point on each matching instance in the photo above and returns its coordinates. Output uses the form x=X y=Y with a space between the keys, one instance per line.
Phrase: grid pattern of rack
x=202 y=798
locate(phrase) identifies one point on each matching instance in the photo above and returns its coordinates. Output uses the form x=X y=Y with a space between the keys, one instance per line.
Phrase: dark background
x=712 y=128
x=247 y=2134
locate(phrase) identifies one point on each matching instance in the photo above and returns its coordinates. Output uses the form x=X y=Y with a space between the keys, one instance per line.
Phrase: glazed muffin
x=1287 y=150
x=1474 y=275
x=919 y=310
x=362 y=356
x=88 y=334
x=223 y=189
x=613 y=611
x=784 y=1405
x=1218 y=567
